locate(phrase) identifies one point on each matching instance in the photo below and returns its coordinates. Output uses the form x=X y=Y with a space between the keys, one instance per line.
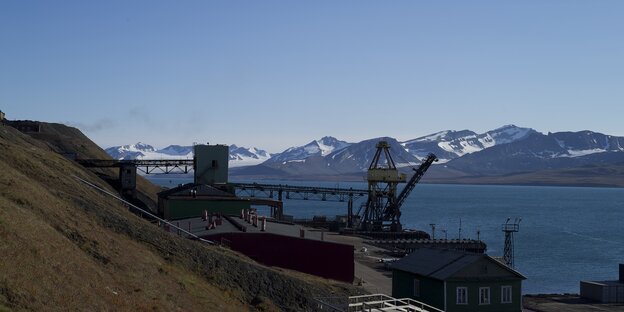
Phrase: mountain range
x=239 y=156
x=464 y=155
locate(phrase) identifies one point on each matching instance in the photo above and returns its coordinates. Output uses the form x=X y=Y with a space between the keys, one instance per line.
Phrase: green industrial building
x=211 y=164
x=457 y=281
x=209 y=192
x=190 y=201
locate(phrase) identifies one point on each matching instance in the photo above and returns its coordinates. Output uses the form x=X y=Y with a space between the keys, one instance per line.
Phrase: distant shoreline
x=351 y=179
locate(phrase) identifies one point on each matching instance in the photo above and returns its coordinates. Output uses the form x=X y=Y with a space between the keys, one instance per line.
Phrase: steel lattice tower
x=383 y=178
x=509 y=229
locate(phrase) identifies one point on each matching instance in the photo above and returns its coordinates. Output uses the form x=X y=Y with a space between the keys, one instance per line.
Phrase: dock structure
x=409 y=245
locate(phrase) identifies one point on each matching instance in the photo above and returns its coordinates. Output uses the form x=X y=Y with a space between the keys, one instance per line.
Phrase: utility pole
x=460 y=229
x=433 y=225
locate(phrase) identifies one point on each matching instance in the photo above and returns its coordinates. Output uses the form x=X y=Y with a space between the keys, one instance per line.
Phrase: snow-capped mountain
x=577 y=144
x=544 y=151
x=503 y=151
x=131 y=151
x=239 y=156
x=321 y=147
x=451 y=144
x=358 y=156
x=351 y=159
x=242 y=156
x=177 y=150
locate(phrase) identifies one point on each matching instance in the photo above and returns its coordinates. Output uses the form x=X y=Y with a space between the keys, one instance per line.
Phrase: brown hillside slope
x=68 y=140
x=64 y=246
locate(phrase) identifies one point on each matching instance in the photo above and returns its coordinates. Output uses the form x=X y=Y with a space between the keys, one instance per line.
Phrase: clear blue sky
x=273 y=74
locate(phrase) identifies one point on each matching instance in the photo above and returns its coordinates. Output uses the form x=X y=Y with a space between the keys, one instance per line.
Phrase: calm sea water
x=567 y=234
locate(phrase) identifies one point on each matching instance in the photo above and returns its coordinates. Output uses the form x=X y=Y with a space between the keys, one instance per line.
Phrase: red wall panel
x=320 y=258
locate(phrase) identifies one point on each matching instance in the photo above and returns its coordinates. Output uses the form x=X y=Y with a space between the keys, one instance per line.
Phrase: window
x=416 y=291
x=505 y=294
x=484 y=295
x=462 y=295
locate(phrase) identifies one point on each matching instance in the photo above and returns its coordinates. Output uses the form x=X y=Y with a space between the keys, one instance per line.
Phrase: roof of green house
x=443 y=264
x=201 y=189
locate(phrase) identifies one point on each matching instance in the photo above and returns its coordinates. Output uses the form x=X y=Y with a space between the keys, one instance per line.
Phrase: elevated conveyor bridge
x=281 y=192
x=146 y=166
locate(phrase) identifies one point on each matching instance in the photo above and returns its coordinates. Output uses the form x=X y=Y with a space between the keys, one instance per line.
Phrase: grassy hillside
x=68 y=140
x=64 y=246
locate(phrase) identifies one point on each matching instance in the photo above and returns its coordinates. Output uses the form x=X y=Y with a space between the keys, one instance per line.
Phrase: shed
x=605 y=291
x=190 y=200
x=453 y=280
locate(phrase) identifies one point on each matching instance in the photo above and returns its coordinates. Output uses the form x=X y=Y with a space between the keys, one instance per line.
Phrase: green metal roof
x=443 y=264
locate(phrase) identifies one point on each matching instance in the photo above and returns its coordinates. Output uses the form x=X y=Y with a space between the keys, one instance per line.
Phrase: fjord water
x=567 y=234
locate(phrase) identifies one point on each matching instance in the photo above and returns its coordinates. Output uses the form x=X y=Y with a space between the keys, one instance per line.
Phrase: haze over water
x=567 y=234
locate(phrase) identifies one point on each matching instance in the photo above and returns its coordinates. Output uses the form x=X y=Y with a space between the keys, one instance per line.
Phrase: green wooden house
x=457 y=281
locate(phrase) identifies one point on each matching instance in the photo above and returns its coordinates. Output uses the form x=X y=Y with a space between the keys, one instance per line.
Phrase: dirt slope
x=64 y=246
x=67 y=140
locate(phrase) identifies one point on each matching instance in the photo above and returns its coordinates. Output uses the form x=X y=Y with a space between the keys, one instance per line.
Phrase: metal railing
x=374 y=302
x=143 y=211
x=147 y=166
x=381 y=302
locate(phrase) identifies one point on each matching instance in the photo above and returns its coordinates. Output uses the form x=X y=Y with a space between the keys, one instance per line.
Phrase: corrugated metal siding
x=603 y=292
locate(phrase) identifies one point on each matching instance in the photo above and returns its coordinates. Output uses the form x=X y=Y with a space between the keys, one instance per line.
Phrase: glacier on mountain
x=450 y=144
x=239 y=156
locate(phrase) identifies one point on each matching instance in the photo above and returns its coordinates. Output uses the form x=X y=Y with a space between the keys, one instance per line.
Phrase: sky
x=275 y=74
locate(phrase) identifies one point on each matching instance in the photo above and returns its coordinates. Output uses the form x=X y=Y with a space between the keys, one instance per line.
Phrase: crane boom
x=420 y=171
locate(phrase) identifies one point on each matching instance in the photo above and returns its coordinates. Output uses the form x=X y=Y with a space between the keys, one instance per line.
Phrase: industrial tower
x=383 y=178
x=509 y=229
x=383 y=208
